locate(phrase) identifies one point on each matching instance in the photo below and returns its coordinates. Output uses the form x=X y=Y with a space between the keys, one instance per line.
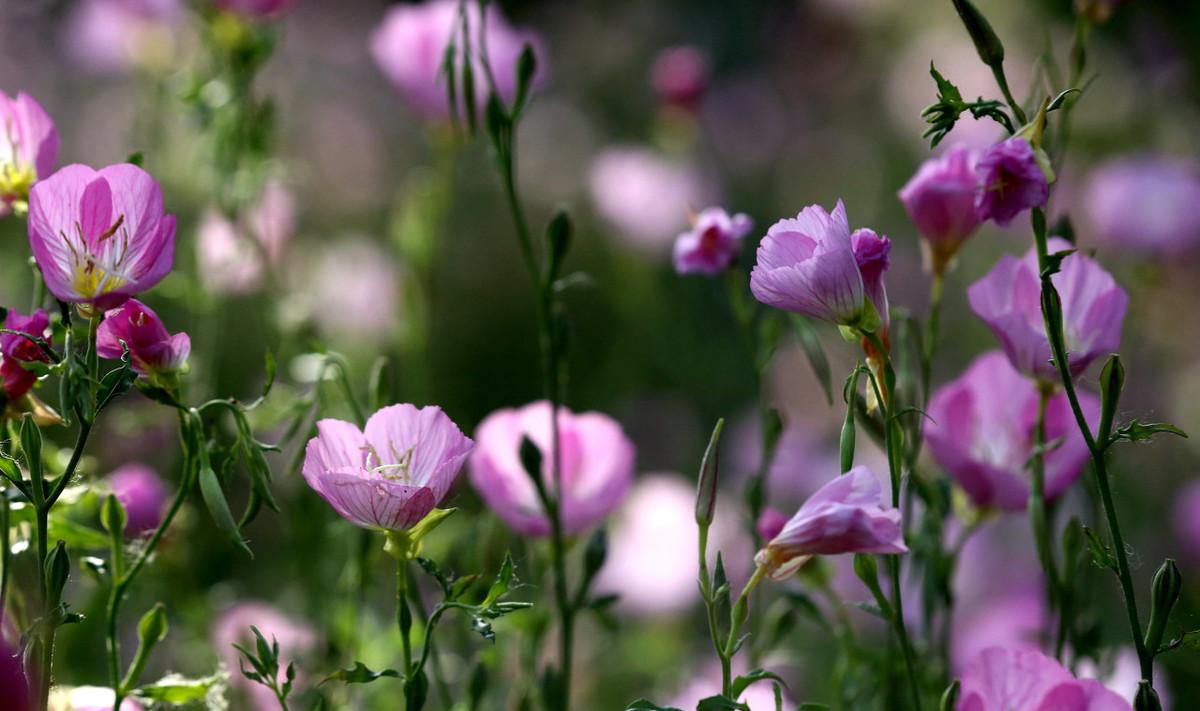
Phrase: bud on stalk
x=706 y=487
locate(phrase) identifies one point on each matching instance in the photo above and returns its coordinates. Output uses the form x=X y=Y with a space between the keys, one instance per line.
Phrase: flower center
x=400 y=471
x=98 y=266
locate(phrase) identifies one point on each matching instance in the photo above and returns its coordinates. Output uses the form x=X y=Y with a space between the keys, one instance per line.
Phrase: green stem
x=1038 y=520
x=402 y=619
x=1002 y=81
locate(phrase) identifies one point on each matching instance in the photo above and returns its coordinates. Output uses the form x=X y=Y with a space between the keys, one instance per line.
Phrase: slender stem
x=937 y=288
x=414 y=598
x=1037 y=502
x=1002 y=81
x=402 y=616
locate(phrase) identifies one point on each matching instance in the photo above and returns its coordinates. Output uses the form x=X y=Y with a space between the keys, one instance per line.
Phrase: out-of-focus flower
x=100 y=237
x=296 y=640
x=1145 y=204
x=1121 y=674
x=142 y=494
x=230 y=263
x=1002 y=679
x=272 y=219
x=759 y=697
x=940 y=200
x=410 y=48
x=13 y=687
x=15 y=349
x=116 y=36
x=680 y=75
x=646 y=196
x=1011 y=181
x=1185 y=520
x=390 y=475
x=1008 y=300
x=770 y=523
x=713 y=242
x=596 y=458
x=153 y=351
x=87 y=698
x=256 y=9
x=982 y=429
x=28 y=148
x=354 y=276
x=871 y=254
x=844 y=516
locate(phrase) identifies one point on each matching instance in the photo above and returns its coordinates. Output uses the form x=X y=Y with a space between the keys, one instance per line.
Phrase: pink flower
x=713 y=242
x=1011 y=181
x=940 y=200
x=1003 y=679
x=257 y=9
x=15 y=350
x=1145 y=204
x=152 y=349
x=1185 y=520
x=410 y=45
x=296 y=640
x=982 y=433
x=13 y=687
x=871 y=252
x=597 y=461
x=88 y=698
x=100 y=237
x=680 y=75
x=1008 y=300
x=770 y=523
x=28 y=148
x=844 y=516
x=143 y=495
x=118 y=36
x=391 y=475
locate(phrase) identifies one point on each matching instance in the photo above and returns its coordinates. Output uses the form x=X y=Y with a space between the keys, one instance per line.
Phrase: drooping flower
x=1003 y=679
x=100 y=237
x=596 y=457
x=940 y=200
x=871 y=252
x=713 y=242
x=1011 y=181
x=390 y=475
x=87 y=698
x=982 y=431
x=28 y=148
x=142 y=494
x=844 y=516
x=296 y=639
x=1008 y=300
x=410 y=48
x=1145 y=204
x=256 y=9
x=153 y=351
x=16 y=349
x=680 y=75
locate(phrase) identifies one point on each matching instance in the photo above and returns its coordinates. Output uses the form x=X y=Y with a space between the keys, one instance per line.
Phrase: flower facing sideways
x=153 y=351
x=713 y=242
x=1011 y=181
x=16 y=349
x=28 y=149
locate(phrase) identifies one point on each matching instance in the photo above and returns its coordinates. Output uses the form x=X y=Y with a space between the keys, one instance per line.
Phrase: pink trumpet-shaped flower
x=142 y=494
x=100 y=237
x=982 y=433
x=16 y=349
x=390 y=475
x=28 y=148
x=713 y=242
x=1008 y=300
x=1011 y=181
x=844 y=516
x=152 y=349
x=258 y=9
x=1003 y=679
x=597 y=462
x=940 y=200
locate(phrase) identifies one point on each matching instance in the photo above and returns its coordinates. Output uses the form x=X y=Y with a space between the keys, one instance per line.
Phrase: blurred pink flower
x=1002 y=679
x=100 y=237
x=1185 y=520
x=272 y=219
x=142 y=493
x=844 y=516
x=152 y=349
x=981 y=431
x=1008 y=300
x=713 y=242
x=409 y=46
x=13 y=687
x=350 y=276
x=770 y=523
x=1121 y=672
x=28 y=148
x=1145 y=204
x=680 y=75
x=393 y=473
x=940 y=200
x=1011 y=181
x=87 y=698
x=117 y=36
x=758 y=697
x=15 y=349
x=230 y=263
x=296 y=640
x=597 y=462
x=257 y=9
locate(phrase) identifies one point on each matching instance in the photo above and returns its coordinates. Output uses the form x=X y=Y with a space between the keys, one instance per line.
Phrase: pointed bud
x=112 y=515
x=153 y=626
x=558 y=237
x=706 y=488
x=531 y=459
x=1164 y=592
x=990 y=49
x=58 y=570
x=31 y=446
x=1147 y=698
x=1112 y=381
x=950 y=697
x=595 y=554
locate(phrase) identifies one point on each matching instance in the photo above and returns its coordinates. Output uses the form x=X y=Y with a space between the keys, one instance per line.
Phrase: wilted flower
x=844 y=516
x=713 y=242
x=114 y=36
x=410 y=48
x=390 y=475
x=100 y=237
x=1011 y=181
x=1147 y=204
x=1003 y=679
x=680 y=76
x=940 y=200
x=153 y=351
x=258 y=9
x=28 y=148
x=596 y=457
x=87 y=698
x=16 y=349
x=142 y=494
x=1008 y=300
x=296 y=640
x=982 y=430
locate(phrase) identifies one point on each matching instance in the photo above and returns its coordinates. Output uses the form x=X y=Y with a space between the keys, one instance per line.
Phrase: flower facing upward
x=1011 y=181
x=844 y=516
x=1004 y=679
x=597 y=467
x=713 y=242
x=16 y=349
x=940 y=200
x=152 y=349
x=28 y=148
x=100 y=237
x=390 y=475
x=142 y=494
x=1008 y=300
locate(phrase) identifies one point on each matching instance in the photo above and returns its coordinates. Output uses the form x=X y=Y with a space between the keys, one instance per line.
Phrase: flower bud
x=706 y=488
x=1112 y=381
x=1147 y=698
x=153 y=627
x=58 y=570
x=990 y=49
x=1164 y=592
x=950 y=697
x=112 y=515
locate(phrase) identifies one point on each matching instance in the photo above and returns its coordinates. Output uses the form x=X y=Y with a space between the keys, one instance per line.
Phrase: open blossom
x=713 y=242
x=100 y=237
x=1011 y=181
x=596 y=458
x=982 y=433
x=390 y=475
x=1004 y=679
x=1008 y=300
x=142 y=495
x=28 y=148
x=680 y=75
x=940 y=200
x=296 y=641
x=16 y=349
x=1145 y=204
x=410 y=47
x=152 y=349
x=258 y=9
x=844 y=516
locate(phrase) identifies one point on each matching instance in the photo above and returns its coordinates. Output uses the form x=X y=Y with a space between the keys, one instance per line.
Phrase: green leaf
x=76 y=535
x=1141 y=432
x=137 y=158
x=178 y=690
x=360 y=674
x=1101 y=554
x=214 y=499
x=648 y=705
x=1057 y=102
x=116 y=382
x=503 y=583
x=720 y=703
x=807 y=335
x=743 y=682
